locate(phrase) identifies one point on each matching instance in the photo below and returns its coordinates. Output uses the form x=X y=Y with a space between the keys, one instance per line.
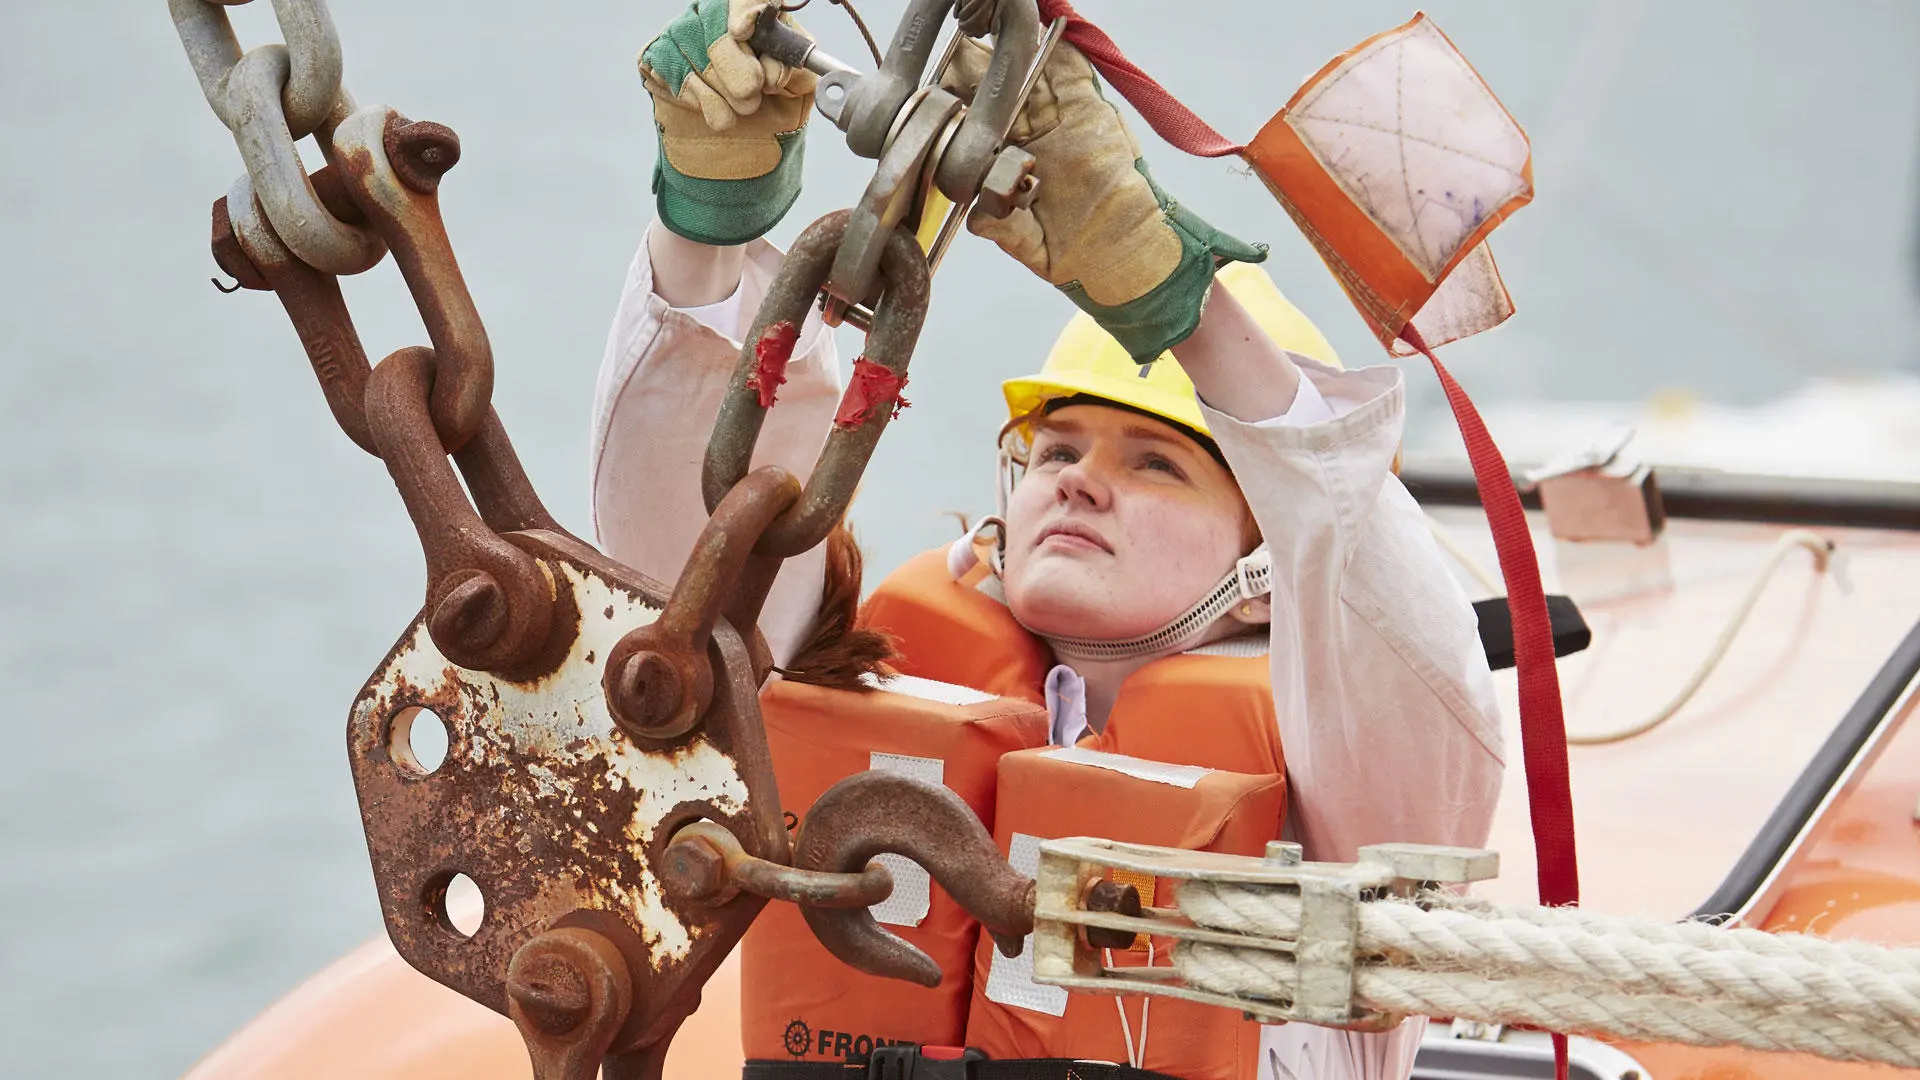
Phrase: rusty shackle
x=706 y=862
x=490 y=605
x=659 y=678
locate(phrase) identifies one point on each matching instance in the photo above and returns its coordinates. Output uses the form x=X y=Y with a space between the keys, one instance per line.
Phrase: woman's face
x=1119 y=525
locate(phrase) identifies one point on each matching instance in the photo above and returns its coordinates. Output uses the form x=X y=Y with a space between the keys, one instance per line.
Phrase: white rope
x=1559 y=1006
x=1450 y=940
x=1819 y=546
x=1569 y=970
x=1135 y=1054
x=1703 y=935
x=1822 y=550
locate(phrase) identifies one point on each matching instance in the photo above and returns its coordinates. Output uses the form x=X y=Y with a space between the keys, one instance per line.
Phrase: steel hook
x=872 y=813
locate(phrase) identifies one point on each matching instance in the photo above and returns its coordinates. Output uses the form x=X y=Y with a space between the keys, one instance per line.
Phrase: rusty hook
x=871 y=813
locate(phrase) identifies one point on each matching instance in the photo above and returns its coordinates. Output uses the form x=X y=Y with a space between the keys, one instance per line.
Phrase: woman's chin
x=1051 y=614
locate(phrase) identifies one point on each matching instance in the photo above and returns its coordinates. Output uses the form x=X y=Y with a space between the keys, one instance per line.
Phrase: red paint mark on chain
x=873 y=387
x=770 y=356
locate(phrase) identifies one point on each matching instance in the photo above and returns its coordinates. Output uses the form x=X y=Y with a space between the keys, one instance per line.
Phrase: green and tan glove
x=732 y=124
x=1100 y=229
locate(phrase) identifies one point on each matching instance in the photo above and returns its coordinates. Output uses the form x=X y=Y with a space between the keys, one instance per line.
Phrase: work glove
x=1100 y=229
x=732 y=124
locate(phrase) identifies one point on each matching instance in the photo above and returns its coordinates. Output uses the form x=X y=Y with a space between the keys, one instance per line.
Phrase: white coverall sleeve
x=659 y=388
x=1386 y=707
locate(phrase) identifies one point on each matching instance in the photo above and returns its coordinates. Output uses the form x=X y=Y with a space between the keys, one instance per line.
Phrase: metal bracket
x=557 y=815
x=1325 y=954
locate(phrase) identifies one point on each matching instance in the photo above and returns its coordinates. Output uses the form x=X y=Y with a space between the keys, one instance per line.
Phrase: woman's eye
x=1155 y=461
x=1059 y=452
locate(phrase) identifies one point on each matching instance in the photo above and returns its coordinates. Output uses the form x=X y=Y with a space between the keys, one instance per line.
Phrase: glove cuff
x=1168 y=313
x=725 y=213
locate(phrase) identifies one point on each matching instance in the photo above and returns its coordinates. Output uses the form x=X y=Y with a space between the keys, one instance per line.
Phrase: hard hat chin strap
x=1250 y=579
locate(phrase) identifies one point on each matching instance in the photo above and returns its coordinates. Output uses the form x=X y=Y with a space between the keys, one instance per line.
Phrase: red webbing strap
x=1543 y=731
x=1169 y=119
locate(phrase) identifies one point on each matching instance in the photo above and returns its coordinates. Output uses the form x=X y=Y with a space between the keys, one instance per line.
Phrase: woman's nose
x=1084 y=481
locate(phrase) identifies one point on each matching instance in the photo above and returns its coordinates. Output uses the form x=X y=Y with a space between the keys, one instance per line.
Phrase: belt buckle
x=922 y=1062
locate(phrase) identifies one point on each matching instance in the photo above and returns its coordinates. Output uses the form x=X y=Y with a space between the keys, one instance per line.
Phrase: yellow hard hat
x=1087 y=360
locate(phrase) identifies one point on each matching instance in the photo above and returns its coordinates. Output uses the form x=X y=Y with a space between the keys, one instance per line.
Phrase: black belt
x=914 y=1063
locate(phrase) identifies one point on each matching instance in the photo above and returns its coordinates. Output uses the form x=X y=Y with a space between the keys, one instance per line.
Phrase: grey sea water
x=197 y=570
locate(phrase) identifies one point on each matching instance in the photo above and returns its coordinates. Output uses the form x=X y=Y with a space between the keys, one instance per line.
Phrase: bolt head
x=690 y=869
x=1009 y=183
x=553 y=993
x=1285 y=852
x=649 y=691
x=1111 y=896
x=470 y=617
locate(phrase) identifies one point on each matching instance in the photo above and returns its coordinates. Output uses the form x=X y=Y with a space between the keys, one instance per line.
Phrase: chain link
x=269 y=97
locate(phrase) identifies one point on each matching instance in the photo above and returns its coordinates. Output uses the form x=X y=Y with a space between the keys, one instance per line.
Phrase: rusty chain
x=607 y=782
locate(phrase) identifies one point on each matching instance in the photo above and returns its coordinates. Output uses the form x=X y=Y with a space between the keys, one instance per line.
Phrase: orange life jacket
x=1074 y=791
x=1212 y=715
x=951 y=631
x=797 y=1001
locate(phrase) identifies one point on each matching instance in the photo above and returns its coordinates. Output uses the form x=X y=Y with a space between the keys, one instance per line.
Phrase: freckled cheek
x=1025 y=509
x=1179 y=551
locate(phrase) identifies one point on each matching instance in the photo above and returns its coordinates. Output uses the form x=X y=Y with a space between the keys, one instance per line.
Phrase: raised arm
x=690 y=274
x=731 y=135
x=1381 y=687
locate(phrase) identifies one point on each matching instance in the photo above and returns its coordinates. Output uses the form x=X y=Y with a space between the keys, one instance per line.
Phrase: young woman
x=1132 y=510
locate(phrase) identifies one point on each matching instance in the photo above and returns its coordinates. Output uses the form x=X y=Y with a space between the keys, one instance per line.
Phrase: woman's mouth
x=1067 y=536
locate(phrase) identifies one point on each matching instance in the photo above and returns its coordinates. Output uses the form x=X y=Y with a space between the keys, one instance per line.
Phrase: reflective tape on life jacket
x=1078 y=791
x=799 y=1003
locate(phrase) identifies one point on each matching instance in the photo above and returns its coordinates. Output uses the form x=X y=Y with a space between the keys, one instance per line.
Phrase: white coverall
x=1386 y=707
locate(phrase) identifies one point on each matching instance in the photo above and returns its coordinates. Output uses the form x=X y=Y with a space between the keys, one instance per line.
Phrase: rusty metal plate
x=558 y=816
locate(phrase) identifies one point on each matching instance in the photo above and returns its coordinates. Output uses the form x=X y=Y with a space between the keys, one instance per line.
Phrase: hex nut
x=1009 y=183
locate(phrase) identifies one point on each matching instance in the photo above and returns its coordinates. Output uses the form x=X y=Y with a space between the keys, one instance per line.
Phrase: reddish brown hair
x=839 y=651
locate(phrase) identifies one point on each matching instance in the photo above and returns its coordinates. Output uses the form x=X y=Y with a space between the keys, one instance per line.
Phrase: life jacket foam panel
x=800 y=1003
x=951 y=631
x=1076 y=791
